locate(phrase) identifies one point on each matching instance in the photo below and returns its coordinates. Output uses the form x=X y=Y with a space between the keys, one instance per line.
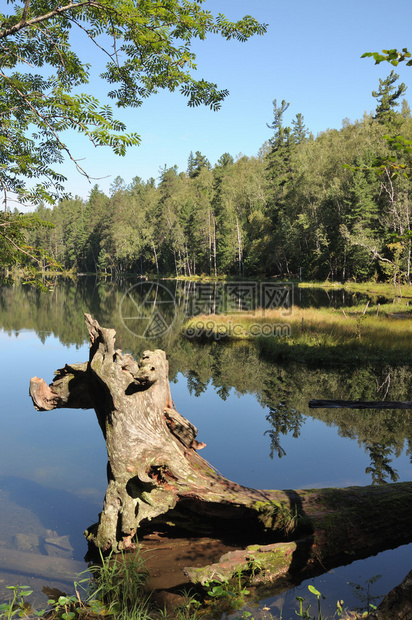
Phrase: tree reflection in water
x=284 y=420
x=284 y=389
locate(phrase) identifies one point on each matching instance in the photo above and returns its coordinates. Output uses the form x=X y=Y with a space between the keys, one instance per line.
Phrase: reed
x=385 y=289
x=329 y=335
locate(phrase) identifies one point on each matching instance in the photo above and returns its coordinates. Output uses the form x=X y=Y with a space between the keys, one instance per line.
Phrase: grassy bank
x=374 y=289
x=374 y=334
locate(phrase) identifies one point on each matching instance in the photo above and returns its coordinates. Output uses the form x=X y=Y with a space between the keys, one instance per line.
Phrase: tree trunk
x=157 y=479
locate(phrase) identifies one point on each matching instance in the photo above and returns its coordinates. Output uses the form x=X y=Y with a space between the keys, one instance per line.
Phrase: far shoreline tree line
x=305 y=206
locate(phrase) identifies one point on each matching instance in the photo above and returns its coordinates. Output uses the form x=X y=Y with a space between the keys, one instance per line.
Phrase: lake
x=253 y=415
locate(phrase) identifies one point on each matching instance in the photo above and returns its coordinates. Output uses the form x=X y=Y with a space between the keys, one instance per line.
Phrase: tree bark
x=153 y=463
x=157 y=479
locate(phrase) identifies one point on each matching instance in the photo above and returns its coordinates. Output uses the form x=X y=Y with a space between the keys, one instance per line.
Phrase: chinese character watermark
x=149 y=309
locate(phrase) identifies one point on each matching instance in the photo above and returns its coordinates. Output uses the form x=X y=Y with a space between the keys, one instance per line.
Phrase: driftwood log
x=360 y=404
x=156 y=479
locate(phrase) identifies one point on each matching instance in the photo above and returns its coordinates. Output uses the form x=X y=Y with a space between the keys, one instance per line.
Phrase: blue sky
x=310 y=57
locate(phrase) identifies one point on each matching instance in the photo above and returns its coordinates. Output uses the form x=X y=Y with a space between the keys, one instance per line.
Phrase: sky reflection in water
x=53 y=464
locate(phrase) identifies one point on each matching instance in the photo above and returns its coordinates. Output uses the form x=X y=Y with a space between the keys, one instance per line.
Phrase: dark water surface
x=253 y=415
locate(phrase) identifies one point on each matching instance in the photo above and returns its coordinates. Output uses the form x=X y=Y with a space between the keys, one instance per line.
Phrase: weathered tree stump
x=156 y=478
x=153 y=463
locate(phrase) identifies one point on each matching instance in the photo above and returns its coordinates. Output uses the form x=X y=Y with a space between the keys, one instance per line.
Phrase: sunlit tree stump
x=157 y=479
x=153 y=463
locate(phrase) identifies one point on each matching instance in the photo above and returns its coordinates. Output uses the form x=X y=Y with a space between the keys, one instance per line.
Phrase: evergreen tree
x=300 y=132
x=279 y=171
x=387 y=100
x=191 y=164
x=196 y=163
x=224 y=160
x=280 y=154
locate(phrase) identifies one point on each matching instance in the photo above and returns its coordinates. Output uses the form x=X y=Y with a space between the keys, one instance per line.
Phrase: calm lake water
x=252 y=414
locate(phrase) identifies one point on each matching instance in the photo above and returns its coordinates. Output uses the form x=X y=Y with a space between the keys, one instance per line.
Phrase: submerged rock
x=26 y=542
x=58 y=546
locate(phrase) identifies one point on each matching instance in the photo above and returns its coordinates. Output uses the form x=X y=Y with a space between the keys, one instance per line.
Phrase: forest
x=331 y=207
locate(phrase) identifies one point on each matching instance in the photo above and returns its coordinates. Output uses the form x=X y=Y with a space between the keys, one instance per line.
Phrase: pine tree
x=196 y=163
x=190 y=164
x=387 y=97
x=300 y=132
x=279 y=156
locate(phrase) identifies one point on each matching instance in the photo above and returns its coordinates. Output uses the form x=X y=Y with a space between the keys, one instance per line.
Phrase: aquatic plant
x=16 y=606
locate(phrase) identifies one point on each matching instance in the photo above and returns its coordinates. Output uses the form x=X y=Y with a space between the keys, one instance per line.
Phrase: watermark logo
x=276 y=297
x=148 y=310
x=216 y=330
x=237 y=297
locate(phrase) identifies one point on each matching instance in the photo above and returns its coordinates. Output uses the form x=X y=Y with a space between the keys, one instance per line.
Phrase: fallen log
x=360 y=404
x=41 y=566
x=158 y=482
x=333 y=527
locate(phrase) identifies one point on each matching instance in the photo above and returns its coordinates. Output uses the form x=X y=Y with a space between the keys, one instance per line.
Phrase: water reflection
x=247 y=410
x=283 y=420
x=143 y=313
x=381 y=456
x=150 y=315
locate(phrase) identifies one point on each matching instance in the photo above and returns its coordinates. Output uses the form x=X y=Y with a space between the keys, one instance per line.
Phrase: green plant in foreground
x=17 y=606
x=288 y=517
x=117 y=586
x=115 y=589
x=64 y=607
x=318 y=596
x=304 y=613
x=188 y=610
x=227 y=595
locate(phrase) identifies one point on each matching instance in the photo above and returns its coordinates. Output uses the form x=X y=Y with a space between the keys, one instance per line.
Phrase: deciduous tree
x=147 y=46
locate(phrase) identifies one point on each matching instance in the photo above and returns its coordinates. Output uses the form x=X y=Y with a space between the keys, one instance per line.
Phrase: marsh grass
x=355 y=334
x=118 y=585
x=118 y=591
x=378 y=289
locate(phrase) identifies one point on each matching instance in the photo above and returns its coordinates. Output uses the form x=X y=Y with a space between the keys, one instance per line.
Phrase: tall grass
x=118 y=585
x=318 y=335
x=385 y=289
x=118 y=589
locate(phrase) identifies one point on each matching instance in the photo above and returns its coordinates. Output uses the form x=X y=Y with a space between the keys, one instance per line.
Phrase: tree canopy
x=306 y=205
x=44 y=51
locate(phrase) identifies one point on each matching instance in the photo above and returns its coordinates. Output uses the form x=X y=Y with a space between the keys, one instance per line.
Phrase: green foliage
x=393 y=56
x=64 y=607
x=17 y=607
x=152 y=52
x=303 y=612
x=387 y=97
x=19 y=235
x=400 y=162
x=117 y=585
x=115 y=590
x=226 y=595
x=42 y=74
